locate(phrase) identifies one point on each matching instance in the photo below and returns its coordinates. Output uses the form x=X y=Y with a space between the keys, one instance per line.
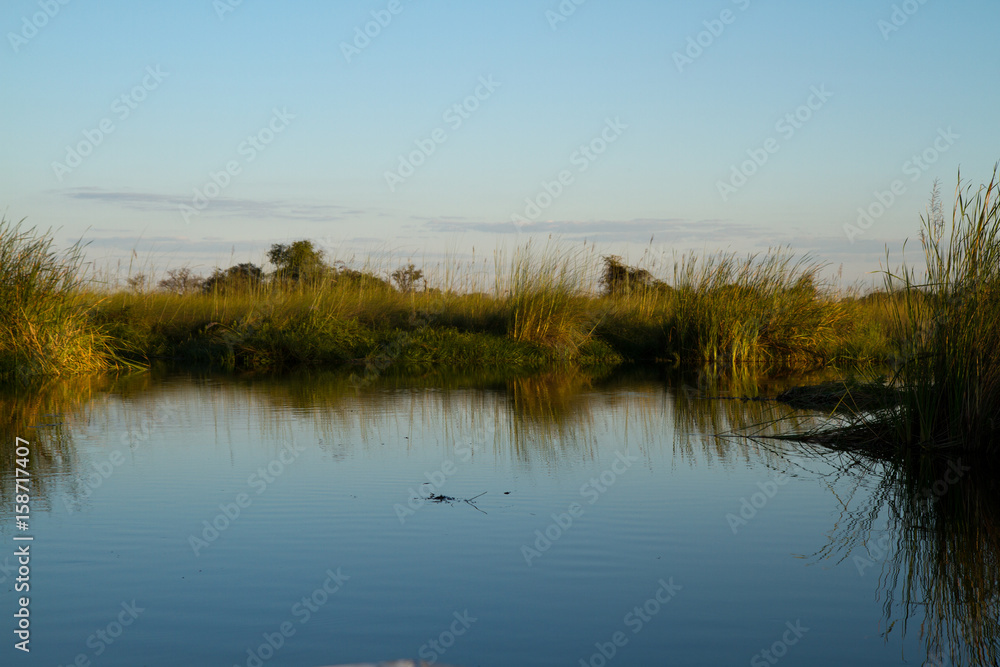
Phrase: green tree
x=619 y=279
x=298 y=261
x=406 y=277
x=181 y=281
x=239 y=277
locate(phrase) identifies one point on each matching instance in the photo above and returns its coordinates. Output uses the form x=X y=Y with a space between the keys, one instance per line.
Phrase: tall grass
x=45 y=326
x=949 y=320
x=757 y=309
x=726 y=310
x=548 y=305
x=552 y=305
x=544 y=296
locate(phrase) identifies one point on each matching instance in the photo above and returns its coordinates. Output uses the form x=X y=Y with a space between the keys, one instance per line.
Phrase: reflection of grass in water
x=43 y=413
x=947 y=561
x=525 y=418
x=528 y=419
x=939 y=555
x=546 y=413
x=723 y=412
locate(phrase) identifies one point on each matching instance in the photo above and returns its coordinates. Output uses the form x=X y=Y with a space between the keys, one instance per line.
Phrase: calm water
x=188 y=521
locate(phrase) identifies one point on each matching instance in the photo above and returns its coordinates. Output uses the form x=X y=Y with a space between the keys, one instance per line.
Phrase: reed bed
x=944 y=321
x=540 y=307
x=45 y=318
x=950 y=320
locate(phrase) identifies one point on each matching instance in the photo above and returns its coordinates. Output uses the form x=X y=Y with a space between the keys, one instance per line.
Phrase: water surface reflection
x=133 y=473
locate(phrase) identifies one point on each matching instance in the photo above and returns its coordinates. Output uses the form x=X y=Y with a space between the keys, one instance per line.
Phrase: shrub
x=240 y=277
x=181 y=281
x=299 y=261
x=406 y=277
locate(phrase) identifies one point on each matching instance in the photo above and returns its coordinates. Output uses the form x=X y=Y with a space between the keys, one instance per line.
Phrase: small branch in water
x=469 y=501
x=441 y=498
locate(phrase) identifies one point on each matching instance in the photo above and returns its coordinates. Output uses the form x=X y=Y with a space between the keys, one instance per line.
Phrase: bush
x=241 y=277
x=182 y=281
x=298 y=262
x=406 y=278
x=343 y=276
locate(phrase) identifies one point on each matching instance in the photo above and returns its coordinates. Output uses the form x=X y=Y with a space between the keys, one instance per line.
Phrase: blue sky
x=309 y=129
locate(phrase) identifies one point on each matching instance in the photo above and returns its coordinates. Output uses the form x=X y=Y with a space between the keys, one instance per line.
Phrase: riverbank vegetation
x=544 y=308
x=946 y=327
x=937 y=328
x=46 y=325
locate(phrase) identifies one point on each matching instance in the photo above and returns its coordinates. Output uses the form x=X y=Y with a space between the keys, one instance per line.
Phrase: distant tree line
x=297 y=263
x=301 y=263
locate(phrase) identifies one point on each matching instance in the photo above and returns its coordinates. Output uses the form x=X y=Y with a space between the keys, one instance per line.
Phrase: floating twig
x=441 y=498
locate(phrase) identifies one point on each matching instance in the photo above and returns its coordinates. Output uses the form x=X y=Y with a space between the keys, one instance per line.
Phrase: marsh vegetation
x=936 y=329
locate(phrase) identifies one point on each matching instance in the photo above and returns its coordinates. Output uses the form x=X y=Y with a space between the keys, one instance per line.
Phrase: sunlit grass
x=45 y=326
x=950 y=321
x=538 y=306
x=943 y=327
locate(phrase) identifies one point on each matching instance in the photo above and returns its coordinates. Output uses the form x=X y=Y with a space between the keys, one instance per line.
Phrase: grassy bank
x=544 y=309
x=45 y=317
x=948 y=327
x=944 y=390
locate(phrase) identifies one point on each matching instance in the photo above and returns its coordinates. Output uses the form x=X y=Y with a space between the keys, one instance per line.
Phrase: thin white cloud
x=612 y=231
x=222 y=206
